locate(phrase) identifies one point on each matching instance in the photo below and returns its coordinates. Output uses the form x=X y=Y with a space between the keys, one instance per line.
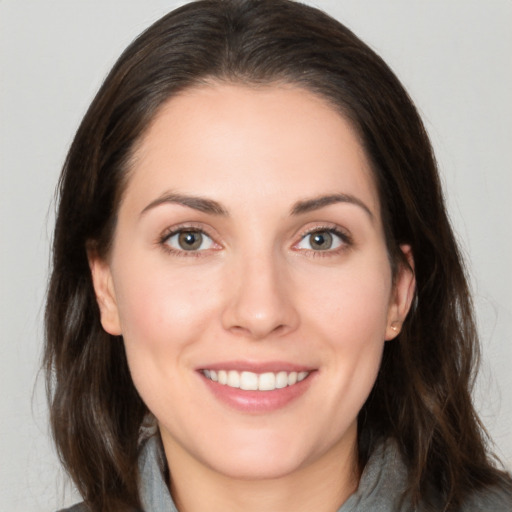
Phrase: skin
x=255 y=291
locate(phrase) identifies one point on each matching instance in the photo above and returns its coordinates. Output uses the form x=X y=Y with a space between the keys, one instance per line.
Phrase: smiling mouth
x=250 y=381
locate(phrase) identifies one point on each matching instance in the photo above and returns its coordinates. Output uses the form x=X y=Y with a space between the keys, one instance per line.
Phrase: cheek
x=349 y=314
x=162 y=311
x=352 y=304
x=163 y=315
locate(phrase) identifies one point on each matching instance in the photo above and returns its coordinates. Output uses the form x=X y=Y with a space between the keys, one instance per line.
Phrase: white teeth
x=281 y=380
x=222 y=375
x=250 y=381
x=267 y=381
x=233 y=379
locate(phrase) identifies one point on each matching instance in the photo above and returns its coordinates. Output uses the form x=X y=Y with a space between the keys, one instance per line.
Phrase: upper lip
x=257 y=366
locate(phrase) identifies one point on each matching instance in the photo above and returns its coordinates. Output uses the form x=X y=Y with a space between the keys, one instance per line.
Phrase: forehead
x=242 y=143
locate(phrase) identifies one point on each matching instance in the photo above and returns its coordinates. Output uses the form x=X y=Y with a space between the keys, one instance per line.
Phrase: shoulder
x=82 y=507
x=497 y=499
x=79 y=507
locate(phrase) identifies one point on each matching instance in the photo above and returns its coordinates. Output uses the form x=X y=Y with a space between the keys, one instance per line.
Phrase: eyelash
x=169 y=233
x=346 y=241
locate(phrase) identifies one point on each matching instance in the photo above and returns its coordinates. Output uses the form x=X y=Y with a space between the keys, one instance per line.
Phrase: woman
x=257 y=301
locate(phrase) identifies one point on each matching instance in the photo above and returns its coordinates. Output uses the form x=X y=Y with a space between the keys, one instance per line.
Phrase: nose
x=260 y=302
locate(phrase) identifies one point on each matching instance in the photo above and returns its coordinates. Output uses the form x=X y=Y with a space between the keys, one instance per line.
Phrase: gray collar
x=154 y=493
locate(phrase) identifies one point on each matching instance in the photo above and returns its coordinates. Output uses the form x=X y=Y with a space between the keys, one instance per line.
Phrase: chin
x=257 y=465
x=262 y=455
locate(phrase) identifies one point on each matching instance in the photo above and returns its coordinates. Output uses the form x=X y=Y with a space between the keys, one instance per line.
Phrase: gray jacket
x=381 y=487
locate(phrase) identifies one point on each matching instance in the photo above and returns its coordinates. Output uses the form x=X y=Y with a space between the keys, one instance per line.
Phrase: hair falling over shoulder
x=422 y=396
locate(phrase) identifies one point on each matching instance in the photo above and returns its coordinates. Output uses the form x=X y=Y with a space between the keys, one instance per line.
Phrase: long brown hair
x=422 y=396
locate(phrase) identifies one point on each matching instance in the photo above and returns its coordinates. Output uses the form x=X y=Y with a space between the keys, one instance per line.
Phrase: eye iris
x=190 y=240
x=321 y=240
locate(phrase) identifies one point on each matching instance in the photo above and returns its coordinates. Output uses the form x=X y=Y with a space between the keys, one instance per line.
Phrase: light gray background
x=454 y=56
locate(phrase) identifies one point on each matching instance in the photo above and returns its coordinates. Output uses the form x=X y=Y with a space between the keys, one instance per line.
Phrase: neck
x=322 y=485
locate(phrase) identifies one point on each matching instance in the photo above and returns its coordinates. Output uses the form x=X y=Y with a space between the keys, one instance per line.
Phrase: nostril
x=259 y=332
x=259 y=303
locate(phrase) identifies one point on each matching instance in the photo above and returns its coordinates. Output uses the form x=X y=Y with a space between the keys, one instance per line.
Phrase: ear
x=105 y=293
x=402 y=295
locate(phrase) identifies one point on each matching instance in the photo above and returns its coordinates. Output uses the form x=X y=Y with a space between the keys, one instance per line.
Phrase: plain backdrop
x=454 y=57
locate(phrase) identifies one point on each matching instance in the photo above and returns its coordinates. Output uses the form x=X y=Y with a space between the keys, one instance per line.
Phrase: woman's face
x=249 y=251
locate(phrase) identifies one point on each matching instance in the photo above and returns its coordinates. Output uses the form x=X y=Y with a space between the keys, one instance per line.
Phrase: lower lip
x=258 y=401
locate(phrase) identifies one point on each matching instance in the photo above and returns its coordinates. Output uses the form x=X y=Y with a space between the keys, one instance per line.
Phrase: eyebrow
x=195 y=202
x=309 y=205
x=213 y=207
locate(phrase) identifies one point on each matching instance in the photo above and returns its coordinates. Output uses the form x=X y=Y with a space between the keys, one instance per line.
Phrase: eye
x=322 y=240
x=191 y=240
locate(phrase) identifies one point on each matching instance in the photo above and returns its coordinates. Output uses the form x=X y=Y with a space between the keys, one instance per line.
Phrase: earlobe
x=403 y=294
x=105 y=294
